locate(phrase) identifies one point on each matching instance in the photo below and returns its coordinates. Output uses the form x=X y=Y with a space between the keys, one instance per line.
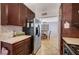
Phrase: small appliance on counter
x=29 y=27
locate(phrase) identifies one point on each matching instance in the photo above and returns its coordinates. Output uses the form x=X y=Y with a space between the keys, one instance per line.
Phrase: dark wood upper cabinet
x=66 y=17
x=67 y=11
x=70 y=13
x=13 y=14
x=30 y=14
x=23 y=14
x=4 y=13
x=75 y=15
x=17 y=14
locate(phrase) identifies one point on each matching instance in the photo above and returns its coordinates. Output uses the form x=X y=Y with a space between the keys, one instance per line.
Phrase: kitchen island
x=19 y=45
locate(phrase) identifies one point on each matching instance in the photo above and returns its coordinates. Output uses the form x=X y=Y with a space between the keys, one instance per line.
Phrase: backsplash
x=8 y=28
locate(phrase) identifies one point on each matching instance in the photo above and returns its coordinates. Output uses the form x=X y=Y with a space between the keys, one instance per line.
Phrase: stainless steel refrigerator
x=37 y=35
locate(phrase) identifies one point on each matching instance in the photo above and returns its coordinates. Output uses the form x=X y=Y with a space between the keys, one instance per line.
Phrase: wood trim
x=61 y=40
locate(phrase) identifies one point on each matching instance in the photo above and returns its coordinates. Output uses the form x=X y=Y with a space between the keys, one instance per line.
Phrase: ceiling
x=44 y=9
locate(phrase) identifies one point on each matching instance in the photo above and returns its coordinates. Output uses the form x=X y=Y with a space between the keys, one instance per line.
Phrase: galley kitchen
x=39 y=28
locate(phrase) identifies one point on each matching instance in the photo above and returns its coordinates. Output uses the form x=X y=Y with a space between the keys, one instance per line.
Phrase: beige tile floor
x=48 y=48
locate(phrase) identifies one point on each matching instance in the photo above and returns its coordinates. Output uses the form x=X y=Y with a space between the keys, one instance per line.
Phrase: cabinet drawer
x=18 y=44
x=28 y=41
x=18 y=49
x=19 y=52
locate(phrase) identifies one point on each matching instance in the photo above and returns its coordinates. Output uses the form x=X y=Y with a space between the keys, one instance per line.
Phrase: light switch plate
x=66 y=25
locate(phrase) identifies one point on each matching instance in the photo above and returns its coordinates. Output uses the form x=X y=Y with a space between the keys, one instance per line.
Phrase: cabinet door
x=13 y=14
x=30 y=15
x=23 y=14
x=66 y=17
x=75 y=12
x=4 y=13
x=18 y=13
x=19 y=48
x=67 y=11
x=28 y=46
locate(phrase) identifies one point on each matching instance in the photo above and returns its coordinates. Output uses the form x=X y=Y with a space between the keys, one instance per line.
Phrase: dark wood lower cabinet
x=23 y=47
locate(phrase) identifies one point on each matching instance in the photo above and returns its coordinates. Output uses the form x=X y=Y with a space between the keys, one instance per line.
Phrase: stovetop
x=75 y=48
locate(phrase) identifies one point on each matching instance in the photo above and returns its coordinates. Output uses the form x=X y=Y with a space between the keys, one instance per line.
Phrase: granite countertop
x=69 y=40
x=15 y=39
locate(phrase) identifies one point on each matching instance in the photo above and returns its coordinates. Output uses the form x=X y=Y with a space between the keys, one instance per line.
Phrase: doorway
x=50 y=42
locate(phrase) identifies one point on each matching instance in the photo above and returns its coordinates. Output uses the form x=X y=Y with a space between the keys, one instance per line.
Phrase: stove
x=71 y=49
x=74 y=48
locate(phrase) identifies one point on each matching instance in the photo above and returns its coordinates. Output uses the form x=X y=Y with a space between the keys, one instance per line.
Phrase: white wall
x=53 y=25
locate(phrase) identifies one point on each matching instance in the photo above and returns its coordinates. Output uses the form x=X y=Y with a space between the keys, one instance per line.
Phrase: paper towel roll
x=4 y=51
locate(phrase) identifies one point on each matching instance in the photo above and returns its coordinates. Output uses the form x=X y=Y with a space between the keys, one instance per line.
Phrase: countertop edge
x=8 y=40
